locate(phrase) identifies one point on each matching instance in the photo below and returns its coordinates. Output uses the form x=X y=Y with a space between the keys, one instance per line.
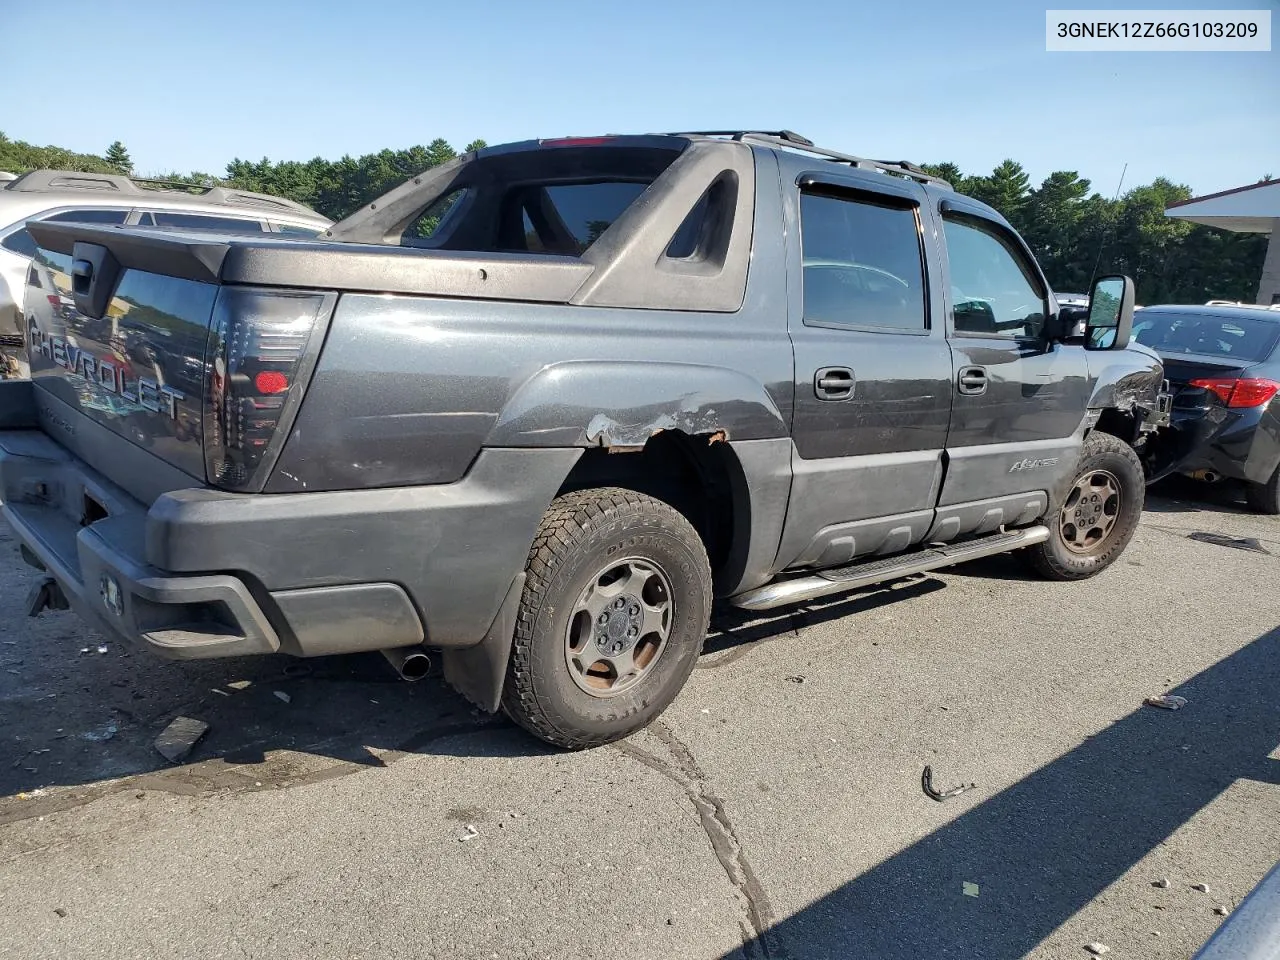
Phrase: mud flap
x=478 y=672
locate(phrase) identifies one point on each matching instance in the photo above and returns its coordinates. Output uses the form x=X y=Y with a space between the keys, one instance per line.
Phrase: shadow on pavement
x=1046 y=846
x=71 y=717
x=1182 y=494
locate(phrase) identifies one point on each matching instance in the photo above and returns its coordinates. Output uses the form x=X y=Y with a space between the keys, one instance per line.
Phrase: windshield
x=1236 y=338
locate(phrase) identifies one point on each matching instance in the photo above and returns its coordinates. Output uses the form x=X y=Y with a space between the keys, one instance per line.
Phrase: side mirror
x=1110 y=322
x=1067 y=325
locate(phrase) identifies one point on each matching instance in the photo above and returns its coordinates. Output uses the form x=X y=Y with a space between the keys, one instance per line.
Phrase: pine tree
x=117 y=158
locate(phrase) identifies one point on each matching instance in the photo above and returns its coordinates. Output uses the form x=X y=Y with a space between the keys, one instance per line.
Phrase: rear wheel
x=1264 y=497
x=1096 y=519
x=614 y=613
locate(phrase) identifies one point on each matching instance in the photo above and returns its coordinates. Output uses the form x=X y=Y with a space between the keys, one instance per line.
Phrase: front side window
x=993 y=288
x=862 y=263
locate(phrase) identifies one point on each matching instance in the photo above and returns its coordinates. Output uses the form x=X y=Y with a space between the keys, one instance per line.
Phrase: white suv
x=115 y=199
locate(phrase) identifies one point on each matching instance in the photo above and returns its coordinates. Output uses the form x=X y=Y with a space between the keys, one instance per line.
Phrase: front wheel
x=614 y=612
x=1096 y=519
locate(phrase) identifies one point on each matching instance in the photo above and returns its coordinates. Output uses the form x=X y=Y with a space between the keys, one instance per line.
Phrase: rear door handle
x=833 y=383
x=972 y=381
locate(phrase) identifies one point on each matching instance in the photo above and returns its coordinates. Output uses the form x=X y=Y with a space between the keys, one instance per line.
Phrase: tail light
x=1243 y=392
x=262 y=346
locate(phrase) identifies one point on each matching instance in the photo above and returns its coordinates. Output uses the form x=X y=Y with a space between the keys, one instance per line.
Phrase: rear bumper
x=203 y=573
x=101 y=566
x=1238 y=444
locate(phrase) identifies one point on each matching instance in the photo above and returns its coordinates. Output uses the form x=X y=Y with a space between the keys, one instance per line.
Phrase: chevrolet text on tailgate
x=537 y=407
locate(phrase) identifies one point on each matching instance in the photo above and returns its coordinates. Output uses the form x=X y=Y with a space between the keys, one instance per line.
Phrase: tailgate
x=133 y=337
x=138 y=369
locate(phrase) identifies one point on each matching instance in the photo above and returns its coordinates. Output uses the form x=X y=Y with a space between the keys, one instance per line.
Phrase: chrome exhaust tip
x=412 y=663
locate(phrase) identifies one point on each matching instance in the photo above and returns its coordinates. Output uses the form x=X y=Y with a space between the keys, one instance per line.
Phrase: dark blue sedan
x=1223 y=366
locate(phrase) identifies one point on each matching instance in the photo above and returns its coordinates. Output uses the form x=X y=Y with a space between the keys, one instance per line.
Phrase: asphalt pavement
x=775 y=811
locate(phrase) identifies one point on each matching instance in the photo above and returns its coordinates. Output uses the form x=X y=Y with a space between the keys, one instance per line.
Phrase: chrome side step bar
x=781 y=592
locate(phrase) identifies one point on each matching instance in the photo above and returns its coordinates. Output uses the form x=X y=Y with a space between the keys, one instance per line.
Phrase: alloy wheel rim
x=1090 y=511
x=619 y=627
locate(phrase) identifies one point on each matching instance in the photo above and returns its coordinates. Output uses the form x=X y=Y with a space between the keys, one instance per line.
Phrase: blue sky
x=189 y=87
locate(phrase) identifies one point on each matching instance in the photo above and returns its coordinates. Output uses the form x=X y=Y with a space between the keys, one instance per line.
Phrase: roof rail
x=42 y=180
x=790 y=140
x=1241 y=303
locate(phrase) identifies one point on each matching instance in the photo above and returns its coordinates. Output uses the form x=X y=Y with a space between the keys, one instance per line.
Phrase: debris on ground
x=471 y=833
x=1166 y=701
x=180 y=737
x=281 y=695
x=1221 y=911
x=797 y=678
x=102 y=649
x=1162 y=883
x=1226 y=540
x=60 y=911
x=1202 y=887
x=102 y=734
x=968 y=889
x=1097 y=949
x=240 y=684
x=926 y=782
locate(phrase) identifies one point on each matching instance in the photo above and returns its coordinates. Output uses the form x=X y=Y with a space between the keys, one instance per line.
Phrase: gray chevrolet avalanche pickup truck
x=539 y=406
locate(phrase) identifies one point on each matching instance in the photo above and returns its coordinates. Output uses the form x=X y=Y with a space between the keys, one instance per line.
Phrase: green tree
x=17 y=156
x=117 y=158
x=1005 y=189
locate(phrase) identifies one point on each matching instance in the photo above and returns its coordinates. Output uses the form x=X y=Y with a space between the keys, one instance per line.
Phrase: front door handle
x=833 y=383
x=972 y=381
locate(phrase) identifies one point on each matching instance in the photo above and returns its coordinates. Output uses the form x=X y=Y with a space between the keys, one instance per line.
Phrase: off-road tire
x=579 y=534
x=1053 y=559
x=1264 y=497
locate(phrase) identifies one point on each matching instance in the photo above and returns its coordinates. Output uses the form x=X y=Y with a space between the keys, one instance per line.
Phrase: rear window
x=550 y=201
x=1236 y=338
x=569 y=217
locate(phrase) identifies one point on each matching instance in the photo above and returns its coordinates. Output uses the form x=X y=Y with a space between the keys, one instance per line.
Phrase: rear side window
x=90 y=216
x=1235 y=338
x=293 y=230
x=862 y=263
x=204 y=221
x=22 y=243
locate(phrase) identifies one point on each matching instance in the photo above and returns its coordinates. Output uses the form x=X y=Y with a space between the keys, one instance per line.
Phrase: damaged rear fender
x=620 y=404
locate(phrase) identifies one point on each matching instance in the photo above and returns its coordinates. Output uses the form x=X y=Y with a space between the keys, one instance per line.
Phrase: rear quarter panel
x=409 y=389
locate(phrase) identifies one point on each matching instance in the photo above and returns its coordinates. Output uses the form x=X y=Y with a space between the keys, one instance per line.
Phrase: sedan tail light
x=1241 y=392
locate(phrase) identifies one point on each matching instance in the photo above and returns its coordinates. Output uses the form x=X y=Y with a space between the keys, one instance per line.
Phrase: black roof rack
x=790 y=140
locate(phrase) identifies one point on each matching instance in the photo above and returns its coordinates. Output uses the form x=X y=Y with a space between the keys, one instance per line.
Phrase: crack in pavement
x=758 y=938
